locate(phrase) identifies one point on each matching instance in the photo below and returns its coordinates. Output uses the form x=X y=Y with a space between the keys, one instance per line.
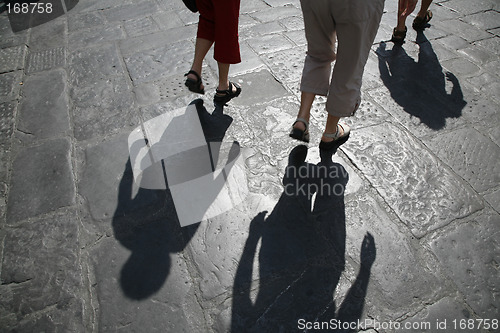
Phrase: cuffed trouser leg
x=354 y=23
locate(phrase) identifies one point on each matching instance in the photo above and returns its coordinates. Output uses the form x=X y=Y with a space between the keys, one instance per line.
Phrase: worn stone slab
x=484 y=20
x=402 y=271
x=102 y=109
x=251 y=6
x=106 y=181
x=7 y=118
x=486 y=85
x=492 y=44
x=48 y=36
x=130 y=11
x=445 y=315
x=78 y=21
x=45 y=113
x=42 y=280
x=424 y=194
x=47 y=59
x=471 y=155
x=87 y=66
x=276 y=13
x=258 y=87
x=167 y=20
x=130 y=46
x=252 y=31
x=10 y=85
x=251 y=61
x=96 y=5
x=88 y=37
x=287 y=64
x=41 y=181
x=482 y=111
x=493 y=199
x=12 y=58
x=469 y=252
x=465 y=7
x=140 y=26
x=143 y=282
x=478 y=55
x=462 y=29
x=165 y=60
x=269 y=43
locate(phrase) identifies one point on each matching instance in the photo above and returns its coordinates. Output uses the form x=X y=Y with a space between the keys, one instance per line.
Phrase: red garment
x=219 y=23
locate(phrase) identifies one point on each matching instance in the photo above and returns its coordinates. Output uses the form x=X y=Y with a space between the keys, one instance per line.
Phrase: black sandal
x=194 y=85
x=298 y=134
x=223 y=96
x=421 y=23
x=398 y=37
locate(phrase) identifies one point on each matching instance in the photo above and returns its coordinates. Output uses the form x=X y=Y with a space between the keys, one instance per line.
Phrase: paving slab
x=425 y=195
x=41 y=276
x=38 y=61
x=12 y=58
x=45 y=115
x=10 y=85
x=41 y=180
x=471 y=155
x=469 y=252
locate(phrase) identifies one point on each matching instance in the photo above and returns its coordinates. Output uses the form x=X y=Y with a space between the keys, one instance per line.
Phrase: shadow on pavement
x=147 y=224
x=26 y=14
x=420 y=87
x=301 y=255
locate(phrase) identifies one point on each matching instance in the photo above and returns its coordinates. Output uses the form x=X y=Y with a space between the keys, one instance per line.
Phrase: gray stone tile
x=48 y=36
x=130 y=46
x=461 y=67
x=487 y=85
x=42 y=280
x=493 y=198
x=130 y=11
x=446 y=314
x=469 y=252
x=277 y=13
x=10 y=85
x=478 y=55
x=423 y=193
x=12 y=58
x=164 y=60
x=167 y=20
x=492 y=44
x=484 y=20
x=258 y=87
x=471 y=155
x=481 y=110
x=47 y=59
x=462 y=29
x=42 y=180
x=85 y=38
x=46 y=113
x=141 y=26
x=90 y=65
x=251 y=6
x=80 y=21
x=261 y=29
x=142 y=282
x=287 y=64
x=97 y=5
x=399 y=278
x=7 y=122
x=108 y=186
x=465 y=7
x=269 y=43
x=102 y=109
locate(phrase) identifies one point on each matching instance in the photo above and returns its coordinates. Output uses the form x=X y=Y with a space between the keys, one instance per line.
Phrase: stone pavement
x=413 y=240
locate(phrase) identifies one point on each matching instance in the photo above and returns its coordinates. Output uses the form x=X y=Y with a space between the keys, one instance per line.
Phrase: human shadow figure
x=420 y=87
x=26 y=14
x=146 y=223
x=301 y=256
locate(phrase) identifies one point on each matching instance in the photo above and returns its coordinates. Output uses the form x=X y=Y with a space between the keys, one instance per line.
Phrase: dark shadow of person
x=301 y=256
x=147 y=224
x=420 y=87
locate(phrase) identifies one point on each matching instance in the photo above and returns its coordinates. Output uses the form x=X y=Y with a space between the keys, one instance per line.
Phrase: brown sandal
x=420 y=23
x=398 y=37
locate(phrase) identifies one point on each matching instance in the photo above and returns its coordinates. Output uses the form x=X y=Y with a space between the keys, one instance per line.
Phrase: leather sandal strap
x=302 y=120
x=195 y=74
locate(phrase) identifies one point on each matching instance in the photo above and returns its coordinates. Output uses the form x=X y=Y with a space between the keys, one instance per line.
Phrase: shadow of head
x=26 y=14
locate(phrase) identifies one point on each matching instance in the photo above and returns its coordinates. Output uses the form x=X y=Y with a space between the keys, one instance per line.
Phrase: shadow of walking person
x=421 y=87
x=147 y=224
x=301 y=255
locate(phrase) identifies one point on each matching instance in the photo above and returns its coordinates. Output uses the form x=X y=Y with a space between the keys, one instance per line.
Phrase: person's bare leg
x=331 y=127
x=200 y=51
x=223 y=76
x=401 y=19
x=424 y=8
x=306 y=101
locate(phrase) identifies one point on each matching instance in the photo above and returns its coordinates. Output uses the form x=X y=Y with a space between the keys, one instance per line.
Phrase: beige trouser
x=354 y=23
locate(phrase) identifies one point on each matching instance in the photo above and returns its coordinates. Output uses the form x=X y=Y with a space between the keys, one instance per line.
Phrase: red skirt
x=219 y=23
